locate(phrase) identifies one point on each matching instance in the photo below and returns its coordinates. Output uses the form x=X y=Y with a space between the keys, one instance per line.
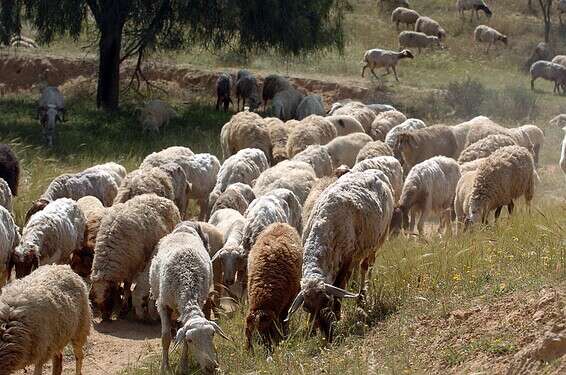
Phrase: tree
x=546 y=5
x=132 y=28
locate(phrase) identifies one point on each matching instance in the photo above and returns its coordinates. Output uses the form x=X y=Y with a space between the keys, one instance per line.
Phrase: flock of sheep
x=296 y=208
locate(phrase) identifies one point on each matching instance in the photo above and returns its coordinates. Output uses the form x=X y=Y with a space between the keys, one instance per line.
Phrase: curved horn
x=338 y=292
x=298 y=302
x=219 y=330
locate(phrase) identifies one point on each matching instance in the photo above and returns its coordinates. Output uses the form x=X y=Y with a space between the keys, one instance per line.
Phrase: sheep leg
x=57 y=364
x=422 y=219
x=533 y=84
x=511 y=206
x=203 y=207
x=373 y=72
x=498 y=212
x=363 y=70
x=340 y=282
x=127 y=300
x=395 y=70
x=79 y=357
x=38 y=369
x=184 y=362
x=164 y=315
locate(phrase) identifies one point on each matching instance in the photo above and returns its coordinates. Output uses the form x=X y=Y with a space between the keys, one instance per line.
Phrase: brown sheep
x=274 y=274
x=422 y=144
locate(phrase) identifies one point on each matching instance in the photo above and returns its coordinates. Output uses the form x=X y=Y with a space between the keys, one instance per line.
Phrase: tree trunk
x=108 y=94
x=547 y=31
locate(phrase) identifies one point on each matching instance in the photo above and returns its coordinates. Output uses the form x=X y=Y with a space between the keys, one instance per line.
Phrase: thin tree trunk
x=108 y=95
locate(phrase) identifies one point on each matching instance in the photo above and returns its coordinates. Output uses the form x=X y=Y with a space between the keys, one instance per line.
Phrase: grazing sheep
x=404 y=15
x=390 y=167
x=319 y=186
x=430 y=27
x=155 y=115
x=175 y=154
x=473 y=6
x=471 y=131
x=559 y=59
x=201 y=171
x=345 y=124
x=542 y=51
x=549 y=71
x=462 y=197
x=274 y=274
x=502 y=177
x=223 y=85
x=285 y=104
x=245 y=167
x=471 y=165
x=246 y=88
x=413 y=39
x=429 y=188
x=486 y=34
x=94 y=211
x=372 y=150
x=313 y=130
x=181 y=279
x=126 y=239
x=9 y=239
x=50 y=109
x=485 y=147
x=347 y=225
x=117 y=171
x=278 y=134
x=408 y=125
x=50 y=236
x=272 y=84
x=379 y=58
x=318 y=158
x=245 y=130
x=384 y=122
x=297 y=176
x=40 y=314
x=237 y=196
x=143 y=304
x=310 y=105
x=9 y=168
x=535 y=135
x=562 y=161
x=422 y=144
x=359 y=111
x=5 y=195
x=344 y=150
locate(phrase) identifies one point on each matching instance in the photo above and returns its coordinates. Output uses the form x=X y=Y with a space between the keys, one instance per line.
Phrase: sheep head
x=81 y=260
x=485 y=9
x=406 y=54
x=404 y=146
x=264 y=322
x=233 y=262
x=341 y=170
x=24 y=259
x=48 y=119
x=396 y=222
x=104 y=294
x=36 y=206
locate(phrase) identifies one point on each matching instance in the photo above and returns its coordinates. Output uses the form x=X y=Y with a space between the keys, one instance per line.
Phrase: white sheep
x=430 y=27
x=471 y=165
x=50 y=236
x=485 y=147
x=429 y=188
x=390 y=167
x=174 y=154
x=237 y=196
x=40 y=315
x=313 y=130
x=201 y=171
x=347 y=225
x=294 y=175
x=486 y=34
x=380 y=58
x=181 y=279
x=408 y=125
x=562 y=161
x=536 y=137
x=344 y=150
x=5 y=195
x=318 y=157
x=404 y=15
x=473 y=6
x=462 y=197
x=310 y=105
x=117 y=171
x=245 y=130
x=9 y=239
x=345 y=124
x=155 y=114
x=361 y=112
x=549 y=71
x=384 y=122
x=51 y=108
x=558 y=59
x=413 y=39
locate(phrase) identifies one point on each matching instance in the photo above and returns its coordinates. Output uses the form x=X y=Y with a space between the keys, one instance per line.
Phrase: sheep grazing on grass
x=390 y=167
x=201 y=171
x=372 y=150
x=429 y=188
x=9 y=168
x=237 y=196
x=245 y=130
x=344 y=150
x=473 y=6
x=246 y=88
x=313 y=130
x=274 y=275
x=319 y=186
x=462 y=197
x=5 y=195
x=413 y=39
x=175 y=154
x=347 y=225
x=50 y=236
x=310 y=105
x=345 y=124
x=379 y=58
x=359 y=111
x=9 y=239
x=125 y=242
x=272 y=84
x=318 y=158
x=430 y=27
x=384 y=122
x=549 y=71
x=486 y=34
x=155 y=115
x=278 y=134
x=408 y=125
x=117 y=171
x=181 y=279
x=485 y=147
x=50 y=110
x=297 y=176
x=502 y=177
x=535 y=135
x=285 y=104
x=223 y=86
x=39 y=315
x=562 y=161
x=404 y=15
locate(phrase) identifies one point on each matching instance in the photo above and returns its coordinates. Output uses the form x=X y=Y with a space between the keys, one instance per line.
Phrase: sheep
x=379 y=58
x=359 y=111
x=471 y=165
x=50 y=236
x=395 y=3
x=462 y=197
x=125 y=242
x=237 y=196
x=39 y=316
x=390 y=167
x=9 y=168
x=562 y=161
x=558 y=121
x=9 y=239
x=485 y=147
x=98 y=183
x=373 y=149
x=536 y=137
x=201 y=171
x=549 y=71
x=310 y=131
x=245 y=130
x=430 y=27
x=384 y=122
x=154 y=115
x=319 y=186
x=318 y=157
x=175 y=154
x=143 y=304
x=429 y=188
x=561 y=9
x=408 y=125
x=278 y=134
x=117 y=171
x=473 y=6
x=413 y=39
x=181 y=279
x=344 y=150
x=486 y=34
x=347 y=225
x=246 y=88
x=378 y=108
x=310 y=105
x=462 y=130
x=272 y=84
x=345 y=124
x=285 y=103
x=294 y=175
x=559 y=59
x=542 y=51
x=50 y=109
x=223 y=84
x=502 y=177
x=274 y=273
x=422 y=144
x=5 y=195
x=404 y=15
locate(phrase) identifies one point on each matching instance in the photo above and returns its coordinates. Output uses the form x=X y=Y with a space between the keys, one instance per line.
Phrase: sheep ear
x=219 y=330
x=298 y=302
x=338 y=292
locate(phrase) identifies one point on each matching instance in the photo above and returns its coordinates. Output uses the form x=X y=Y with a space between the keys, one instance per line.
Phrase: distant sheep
x=404 y=15
x=345 y=124
x=278 y=134
x=486 y=34
x=413 y=39
x=384 y=122
x=430 y=27
x=272 y=84
x=155 y=115
x=245 y=130
x=473 y=6
x=318 y=157
x=559 y=59
x=550 y=72
x=310 y=105
x=223 y=88
x=297 y=176
x=285 y=103
x=344 y=150
x=422 y=144
x=51 y=109
x=9 y=168
x=5 y=195
x=361 y=112
x=379 y=58
x=313 y=130
x=9 y=239
x=372 y=150
x=485 y=147
x=536 y=137
x=246 y=88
